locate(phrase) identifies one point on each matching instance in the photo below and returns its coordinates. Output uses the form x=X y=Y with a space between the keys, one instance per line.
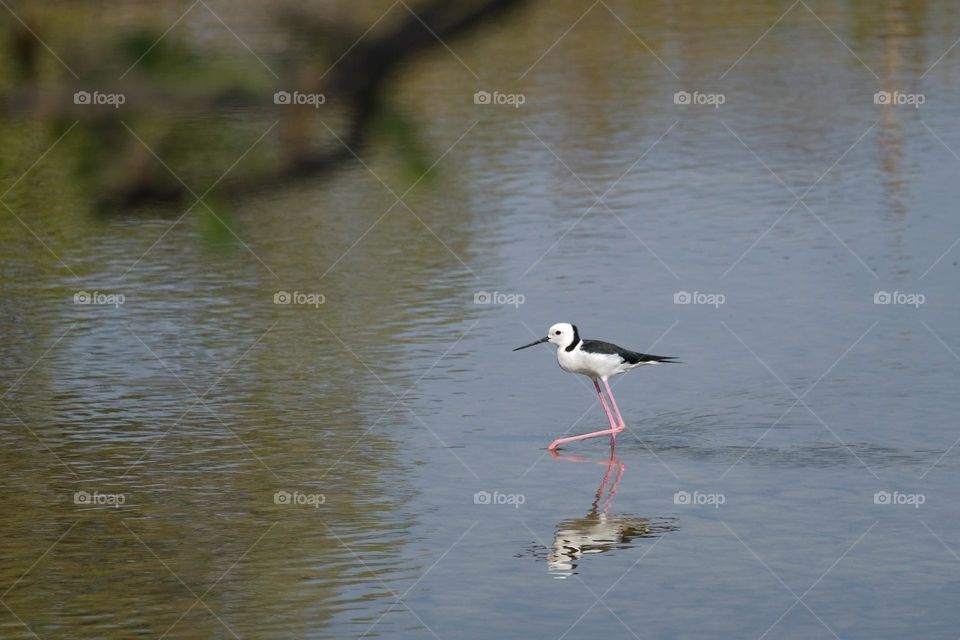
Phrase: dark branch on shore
x=354 y=89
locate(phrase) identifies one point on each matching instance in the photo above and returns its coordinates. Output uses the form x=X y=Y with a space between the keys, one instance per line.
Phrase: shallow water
x=410 y=439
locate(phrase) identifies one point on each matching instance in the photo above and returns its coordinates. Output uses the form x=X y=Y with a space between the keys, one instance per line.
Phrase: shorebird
x=598 y=361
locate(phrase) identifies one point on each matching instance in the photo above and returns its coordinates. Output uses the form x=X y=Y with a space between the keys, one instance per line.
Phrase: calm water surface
x=742 y=503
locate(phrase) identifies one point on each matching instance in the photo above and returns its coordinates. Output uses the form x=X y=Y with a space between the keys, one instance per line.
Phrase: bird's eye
x=556 y=332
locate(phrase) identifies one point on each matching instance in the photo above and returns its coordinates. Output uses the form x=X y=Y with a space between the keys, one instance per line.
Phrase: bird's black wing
x=632 y=357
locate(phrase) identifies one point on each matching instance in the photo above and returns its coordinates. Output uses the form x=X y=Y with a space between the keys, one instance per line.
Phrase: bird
x=599 y=361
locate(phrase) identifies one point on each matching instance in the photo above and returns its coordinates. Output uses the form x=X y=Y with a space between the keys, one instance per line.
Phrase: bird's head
x=562 y=334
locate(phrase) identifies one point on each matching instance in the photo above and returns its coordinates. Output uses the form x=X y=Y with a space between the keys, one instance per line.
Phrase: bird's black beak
x=532 y=344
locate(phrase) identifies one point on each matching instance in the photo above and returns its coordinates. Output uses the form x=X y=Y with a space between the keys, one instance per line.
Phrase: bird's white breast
x=595 y=365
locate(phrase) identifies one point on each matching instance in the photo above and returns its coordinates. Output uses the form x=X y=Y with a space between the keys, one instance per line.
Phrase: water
x=747 y=497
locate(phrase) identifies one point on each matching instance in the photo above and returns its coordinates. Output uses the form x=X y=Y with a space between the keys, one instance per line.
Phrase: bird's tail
x=658 y=359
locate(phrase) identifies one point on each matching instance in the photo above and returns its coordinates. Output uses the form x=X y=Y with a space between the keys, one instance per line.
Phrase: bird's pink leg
x=622 y=425
x=595 y=434
x=606 y=408
x=614 y=428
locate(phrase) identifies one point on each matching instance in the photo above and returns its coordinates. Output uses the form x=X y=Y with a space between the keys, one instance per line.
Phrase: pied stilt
x=598 y=361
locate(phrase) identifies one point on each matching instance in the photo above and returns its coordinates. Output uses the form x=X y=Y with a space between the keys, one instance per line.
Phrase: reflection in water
x=891 y=137
x=599 y=531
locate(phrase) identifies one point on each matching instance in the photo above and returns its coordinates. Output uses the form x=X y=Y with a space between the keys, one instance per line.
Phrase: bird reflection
x=599 y=530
